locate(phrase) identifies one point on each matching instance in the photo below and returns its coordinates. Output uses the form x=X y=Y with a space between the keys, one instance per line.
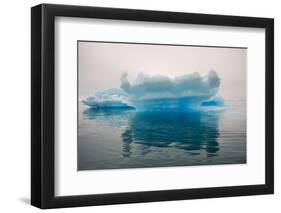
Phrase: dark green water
x=115 y=139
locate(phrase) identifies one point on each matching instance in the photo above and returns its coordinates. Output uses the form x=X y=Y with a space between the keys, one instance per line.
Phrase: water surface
x=118 y=138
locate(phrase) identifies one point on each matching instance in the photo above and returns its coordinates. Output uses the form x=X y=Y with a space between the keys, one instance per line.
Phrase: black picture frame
x=43 y=105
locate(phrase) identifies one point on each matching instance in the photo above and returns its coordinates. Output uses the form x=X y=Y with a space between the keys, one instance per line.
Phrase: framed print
x=138 y=106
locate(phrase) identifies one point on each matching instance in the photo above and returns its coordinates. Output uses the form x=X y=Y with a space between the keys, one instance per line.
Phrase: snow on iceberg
x=160 y=93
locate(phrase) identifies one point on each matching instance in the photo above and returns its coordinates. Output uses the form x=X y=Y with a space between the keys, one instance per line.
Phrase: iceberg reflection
x=193 y=132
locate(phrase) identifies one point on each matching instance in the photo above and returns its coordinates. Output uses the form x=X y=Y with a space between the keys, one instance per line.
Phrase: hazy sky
x=102 y=64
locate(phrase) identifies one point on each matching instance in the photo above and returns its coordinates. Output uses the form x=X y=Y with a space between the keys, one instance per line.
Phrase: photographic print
x=174 y=106
x=160 y=105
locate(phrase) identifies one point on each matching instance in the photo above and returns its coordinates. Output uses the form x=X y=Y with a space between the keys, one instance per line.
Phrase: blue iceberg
x=161 y=93
x=110 y=98
x=216 y=100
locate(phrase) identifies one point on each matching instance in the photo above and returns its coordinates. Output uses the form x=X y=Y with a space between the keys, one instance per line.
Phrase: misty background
x=100 y=65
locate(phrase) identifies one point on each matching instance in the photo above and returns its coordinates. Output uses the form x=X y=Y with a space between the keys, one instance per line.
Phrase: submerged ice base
x=161 y=93
x=172 y=104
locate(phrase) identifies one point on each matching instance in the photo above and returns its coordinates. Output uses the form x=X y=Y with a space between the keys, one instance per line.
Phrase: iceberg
x=110 y=98
x=161 y=93
x=216 y=100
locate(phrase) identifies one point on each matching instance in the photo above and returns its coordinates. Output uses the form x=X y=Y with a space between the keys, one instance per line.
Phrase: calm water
x=114 y=139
